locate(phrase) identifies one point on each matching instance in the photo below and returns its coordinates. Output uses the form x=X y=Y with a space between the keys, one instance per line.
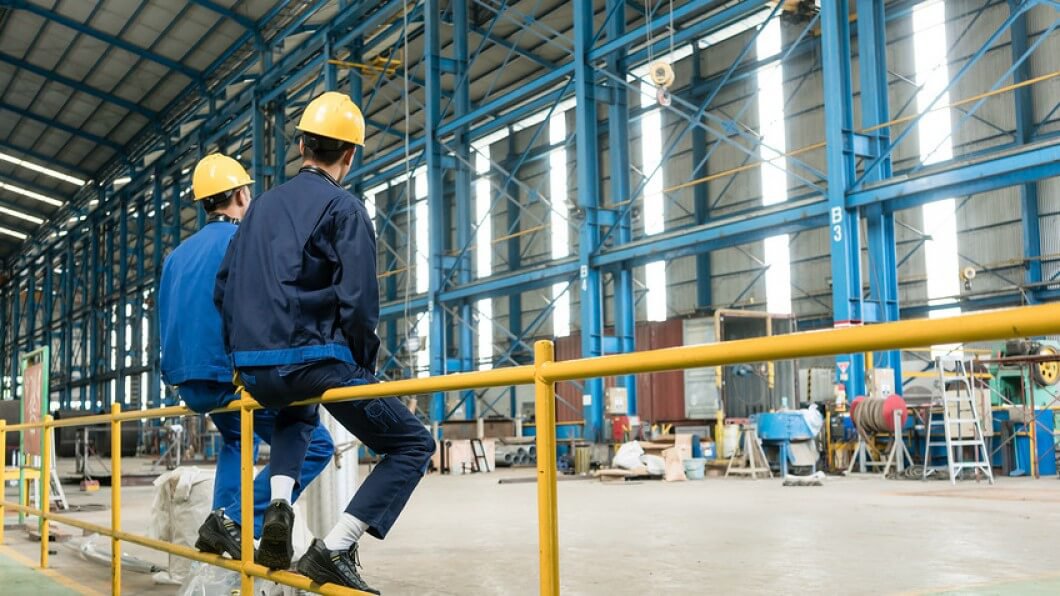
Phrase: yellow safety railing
x=1028 y=321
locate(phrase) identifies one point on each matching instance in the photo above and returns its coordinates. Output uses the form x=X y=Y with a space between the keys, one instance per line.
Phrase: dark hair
x=219 y=201
x=324 y=150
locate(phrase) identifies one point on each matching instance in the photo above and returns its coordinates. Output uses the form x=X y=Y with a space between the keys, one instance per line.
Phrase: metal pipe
x=45 y=489
x=547 y=516
x=1027 y=321
x=246 y=491
x=115 y=499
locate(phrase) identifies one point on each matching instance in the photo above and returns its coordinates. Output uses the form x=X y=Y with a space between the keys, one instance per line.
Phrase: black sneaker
x=333 y=567
x=219 y=535
x=275 y=550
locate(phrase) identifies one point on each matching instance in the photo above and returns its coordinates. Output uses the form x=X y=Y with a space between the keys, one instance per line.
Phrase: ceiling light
x=41 y=169
x=32 y=195
x=21 y=215
x=14 y=233
x=122 y=181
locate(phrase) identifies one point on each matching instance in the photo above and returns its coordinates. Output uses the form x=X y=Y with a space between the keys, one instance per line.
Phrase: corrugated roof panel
x=151 y=23
x=84 y=52
x=165 y=93
x=206 y=49
x=109 y=18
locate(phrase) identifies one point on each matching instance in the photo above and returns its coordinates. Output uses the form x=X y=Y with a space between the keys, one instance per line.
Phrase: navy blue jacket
x=192 y=348
x=299 y=281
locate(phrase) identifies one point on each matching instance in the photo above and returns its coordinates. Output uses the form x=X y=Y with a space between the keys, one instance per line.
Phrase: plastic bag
x=628 y=456
x=655 y=464
x=182 y=501
x=813 y=419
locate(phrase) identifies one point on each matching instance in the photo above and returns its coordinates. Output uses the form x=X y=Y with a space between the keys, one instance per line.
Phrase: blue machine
x=780 y=430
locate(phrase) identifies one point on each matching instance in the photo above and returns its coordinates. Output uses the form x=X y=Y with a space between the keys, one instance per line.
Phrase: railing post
x=547 y=520
x=115 y=499
x=45 y=488
x=3 y=472
x=246 y=491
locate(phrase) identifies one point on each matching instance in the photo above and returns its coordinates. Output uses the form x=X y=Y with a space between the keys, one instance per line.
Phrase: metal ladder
x=479 y=462
x=957 y=409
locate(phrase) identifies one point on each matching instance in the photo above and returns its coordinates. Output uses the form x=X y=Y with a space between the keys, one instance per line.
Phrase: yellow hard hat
x=216 y=174
x=334 y=115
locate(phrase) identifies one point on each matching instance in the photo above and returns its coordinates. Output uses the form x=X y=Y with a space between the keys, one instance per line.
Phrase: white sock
x=347 y=531
x=282 y=488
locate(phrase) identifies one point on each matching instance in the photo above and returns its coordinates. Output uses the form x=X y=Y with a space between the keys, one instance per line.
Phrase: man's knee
x=425 y=447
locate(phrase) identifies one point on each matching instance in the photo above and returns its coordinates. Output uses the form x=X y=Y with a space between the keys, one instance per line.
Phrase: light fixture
x=14 y=233
x=41 y=169
x=21 y=215
x=36 y=196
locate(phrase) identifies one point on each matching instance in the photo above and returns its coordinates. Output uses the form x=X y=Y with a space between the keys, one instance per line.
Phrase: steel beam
x=879 y=225
x=588 y=177
x=844 y=228
x=70 y=130
x=1024 y=105
x=619 y=167
x=105 y=37
x=52 y=75
x=435 y=200
x=991 y=171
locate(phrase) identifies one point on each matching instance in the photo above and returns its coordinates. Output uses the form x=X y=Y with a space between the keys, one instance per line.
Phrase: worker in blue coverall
x=299 y=303
x=193 y=355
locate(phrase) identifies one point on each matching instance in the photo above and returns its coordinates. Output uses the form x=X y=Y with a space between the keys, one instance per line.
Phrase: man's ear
x=301 y=146
x=347 y=158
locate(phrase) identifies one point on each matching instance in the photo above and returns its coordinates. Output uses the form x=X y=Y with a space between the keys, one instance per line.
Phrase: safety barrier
x=1028 y=321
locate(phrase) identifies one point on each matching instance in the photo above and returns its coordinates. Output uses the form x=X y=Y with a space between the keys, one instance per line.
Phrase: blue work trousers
x=384 y=425
x=203 y=396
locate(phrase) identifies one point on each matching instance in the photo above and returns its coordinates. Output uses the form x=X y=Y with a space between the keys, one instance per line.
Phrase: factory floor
x=471 y=535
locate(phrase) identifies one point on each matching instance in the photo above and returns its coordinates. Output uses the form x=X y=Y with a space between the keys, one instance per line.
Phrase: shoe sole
x=208 y=544
x=275 y=550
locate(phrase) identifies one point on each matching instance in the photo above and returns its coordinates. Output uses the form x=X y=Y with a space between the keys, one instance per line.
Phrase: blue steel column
x=843 y=229
x=1032 y=241
x=279 y=141
x=700 y=194
x=356 y=81
x=588 y=201
x=47 y=302
x=462 y=195
x=435 y=197
x=154 y=390
x=618 y=151
x=16 y=324
x=67 y=313
x=257 y=165
x=515 y=255
x=879 y=224
x=121 y=299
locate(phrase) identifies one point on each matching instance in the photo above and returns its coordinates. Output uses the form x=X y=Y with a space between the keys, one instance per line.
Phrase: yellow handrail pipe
x=1025 y=321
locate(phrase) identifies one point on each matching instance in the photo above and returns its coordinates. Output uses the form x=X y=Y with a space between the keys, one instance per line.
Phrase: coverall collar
x=320 y=172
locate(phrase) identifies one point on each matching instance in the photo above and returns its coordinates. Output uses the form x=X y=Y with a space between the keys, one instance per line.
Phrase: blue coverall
x=194 y=359
x=299 y=304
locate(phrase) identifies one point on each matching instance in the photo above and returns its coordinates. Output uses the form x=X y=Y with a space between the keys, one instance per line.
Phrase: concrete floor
x=470 y=535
